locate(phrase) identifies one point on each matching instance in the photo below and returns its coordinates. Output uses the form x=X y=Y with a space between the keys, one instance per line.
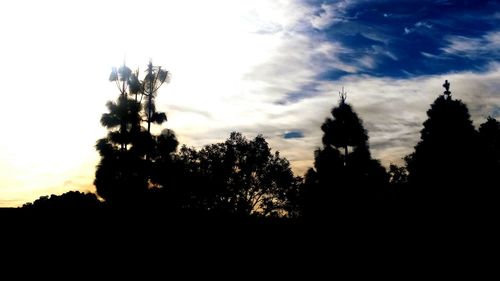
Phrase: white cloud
x=418 y=26
x=366 y=62
x=423 y=24
x=329 y=14
x=391 y=55
x=393 y=110
x=487 y=44
x=431 y=56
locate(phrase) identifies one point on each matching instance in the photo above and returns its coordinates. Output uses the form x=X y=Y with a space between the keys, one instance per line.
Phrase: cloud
x=423 y=24
x=330 y=14
x=296 y=86
x=431 y=56
x=392 y=110
x=488 y=44
x=366 y=62
x=8 y=203
x=391 y=55
x=418 y=27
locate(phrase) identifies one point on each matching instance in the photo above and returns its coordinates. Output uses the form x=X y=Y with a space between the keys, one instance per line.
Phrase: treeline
x=454 y=167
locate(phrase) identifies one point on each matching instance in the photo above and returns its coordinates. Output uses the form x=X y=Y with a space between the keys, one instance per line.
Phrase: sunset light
x=259 y=67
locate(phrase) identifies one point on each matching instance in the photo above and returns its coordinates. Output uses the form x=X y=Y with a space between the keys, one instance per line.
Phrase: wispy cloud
x=488 y=44
x=294 y=89
x=393 y=110
x=366 y=61
x=423 y=24
x=420 y=26
x=329 y=14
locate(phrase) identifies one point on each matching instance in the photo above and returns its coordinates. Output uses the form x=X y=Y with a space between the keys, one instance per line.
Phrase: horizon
x=260 y=67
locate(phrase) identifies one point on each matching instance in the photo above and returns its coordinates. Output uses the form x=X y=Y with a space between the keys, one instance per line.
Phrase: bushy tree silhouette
x=444 y=167
x=344 y=176
x=398 y=176
x=238 y=177
x=70 y=200
x=344 y=130
x=397 y=191
x=489 y=133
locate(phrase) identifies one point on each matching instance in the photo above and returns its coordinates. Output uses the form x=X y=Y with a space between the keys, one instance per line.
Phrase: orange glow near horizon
x=56 y=59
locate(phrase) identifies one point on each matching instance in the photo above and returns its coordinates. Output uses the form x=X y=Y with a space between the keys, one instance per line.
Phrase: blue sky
x=407 y=38
x=403 y=39
x=392 y=58
x=259 y=67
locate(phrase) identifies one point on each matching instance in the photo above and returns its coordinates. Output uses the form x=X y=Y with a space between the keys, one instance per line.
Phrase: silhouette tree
x=70 y=200
x=345 y=129
x=344 y=176
x=238 y=177
x=155 y=77
x=258 y=181
x=398 y=176
x=444 y=168
x=398 y=190
x=121 y=173
x=489 y=133
x=124 y=171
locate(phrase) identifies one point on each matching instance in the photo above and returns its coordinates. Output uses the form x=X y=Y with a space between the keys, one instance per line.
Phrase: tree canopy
x=125 y=169
x=445 y=166
x=238 y=176
x=343 y=179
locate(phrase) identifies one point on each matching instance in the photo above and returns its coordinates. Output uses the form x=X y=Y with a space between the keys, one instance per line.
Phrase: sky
x=271 y=67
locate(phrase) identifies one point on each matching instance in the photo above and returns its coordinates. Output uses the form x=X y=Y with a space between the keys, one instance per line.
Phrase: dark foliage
x=489 y=139
x=124 y=172
x=238 y=177
x=345 y=179
x=454 y=170
x=489 y=133
x=444 y=169
x=69 y=200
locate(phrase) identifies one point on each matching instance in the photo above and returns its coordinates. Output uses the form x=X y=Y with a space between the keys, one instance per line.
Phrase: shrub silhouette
x=69 y=200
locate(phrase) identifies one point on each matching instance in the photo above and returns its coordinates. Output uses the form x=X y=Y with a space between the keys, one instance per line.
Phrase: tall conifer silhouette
x=444 y=166
x=345 y=176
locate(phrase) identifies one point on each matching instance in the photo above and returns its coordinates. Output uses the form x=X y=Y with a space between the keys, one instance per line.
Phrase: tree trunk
x=345 y=155
x=151 y=84
x=149 y=112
